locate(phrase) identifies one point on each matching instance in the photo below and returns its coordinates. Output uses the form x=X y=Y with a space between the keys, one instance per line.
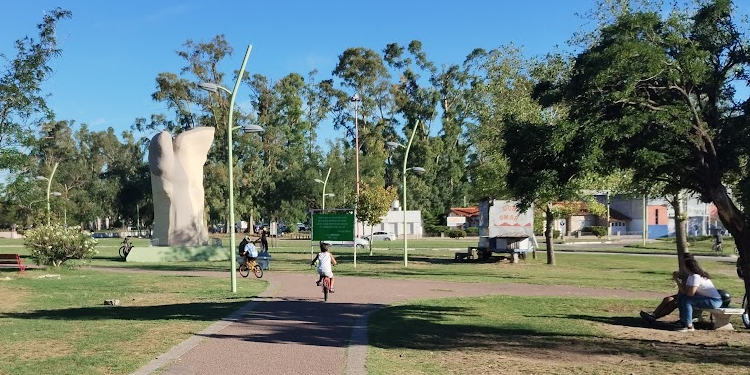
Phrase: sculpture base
x=156 y=254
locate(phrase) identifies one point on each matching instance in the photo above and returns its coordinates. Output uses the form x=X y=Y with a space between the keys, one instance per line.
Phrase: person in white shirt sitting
x=696 y=291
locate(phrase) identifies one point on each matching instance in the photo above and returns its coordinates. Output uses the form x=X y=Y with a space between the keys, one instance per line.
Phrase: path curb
x=356 y=354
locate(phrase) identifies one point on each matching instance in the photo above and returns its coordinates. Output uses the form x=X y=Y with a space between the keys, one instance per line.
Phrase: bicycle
x=248 y=265
x=717 y=248
x=326 y=285
x=125 y=248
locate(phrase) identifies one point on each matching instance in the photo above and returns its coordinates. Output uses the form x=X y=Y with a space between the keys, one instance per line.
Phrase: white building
x=393 y=222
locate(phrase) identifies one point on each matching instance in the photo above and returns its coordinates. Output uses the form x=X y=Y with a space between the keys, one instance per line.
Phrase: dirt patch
x=12 y=298
x=663 y=334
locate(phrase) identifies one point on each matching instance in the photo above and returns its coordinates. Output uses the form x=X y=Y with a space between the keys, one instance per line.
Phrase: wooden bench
x=11 y=261
x=719 y=317
x=462 y=257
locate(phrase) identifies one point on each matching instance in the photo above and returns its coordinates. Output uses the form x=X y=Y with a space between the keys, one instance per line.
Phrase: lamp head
x=208 y=86
x=330 y=195
x=253 y=128
x=418 y=170
x=393 y=145
x=40 y=178
x=355 y=98
x=319 y=181
x=56 y=193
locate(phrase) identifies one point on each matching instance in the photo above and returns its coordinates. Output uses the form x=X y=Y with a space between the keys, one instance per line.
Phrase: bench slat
x=726 y=310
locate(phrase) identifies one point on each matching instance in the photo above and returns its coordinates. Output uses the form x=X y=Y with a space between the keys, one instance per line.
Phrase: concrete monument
x=176 y=166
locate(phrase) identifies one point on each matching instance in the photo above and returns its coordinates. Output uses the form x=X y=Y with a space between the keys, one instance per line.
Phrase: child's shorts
x=322 y=273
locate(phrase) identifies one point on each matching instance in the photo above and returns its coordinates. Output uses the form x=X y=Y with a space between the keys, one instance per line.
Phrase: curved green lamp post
x=214 y=88
x=417 y=170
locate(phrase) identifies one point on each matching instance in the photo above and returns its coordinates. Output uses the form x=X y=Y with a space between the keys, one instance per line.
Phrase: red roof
x=465 y=211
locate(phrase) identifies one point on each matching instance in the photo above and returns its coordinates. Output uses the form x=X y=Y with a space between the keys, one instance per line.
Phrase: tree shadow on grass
x=433 y=328
x=199 y=311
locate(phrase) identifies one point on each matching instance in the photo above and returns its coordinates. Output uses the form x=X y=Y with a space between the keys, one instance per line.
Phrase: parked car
x=361 y=243
x=382 y=236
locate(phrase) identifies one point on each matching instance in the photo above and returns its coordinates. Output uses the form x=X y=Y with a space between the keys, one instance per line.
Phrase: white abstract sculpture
x=177 y=185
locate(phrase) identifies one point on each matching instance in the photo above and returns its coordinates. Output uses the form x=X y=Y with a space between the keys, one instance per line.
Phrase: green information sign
x=333 y=227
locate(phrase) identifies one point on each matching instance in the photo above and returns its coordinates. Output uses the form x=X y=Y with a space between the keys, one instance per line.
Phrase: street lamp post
x=324 y=187
x=417 y=170
x=355 y=99
x=214 y=88
x=49 y=187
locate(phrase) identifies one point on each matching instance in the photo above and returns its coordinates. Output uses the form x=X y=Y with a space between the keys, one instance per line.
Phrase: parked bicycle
x=125 y=248
x=250 y=265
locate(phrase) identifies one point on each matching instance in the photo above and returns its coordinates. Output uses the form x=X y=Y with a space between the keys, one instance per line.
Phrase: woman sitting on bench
x=697 y=291
x=669 y=303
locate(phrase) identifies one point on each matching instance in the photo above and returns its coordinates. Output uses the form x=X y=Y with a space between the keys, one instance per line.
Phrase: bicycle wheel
x=258 y=271
x=325 y=291
x=122 y=252
x=745 y=316
x=244 y=271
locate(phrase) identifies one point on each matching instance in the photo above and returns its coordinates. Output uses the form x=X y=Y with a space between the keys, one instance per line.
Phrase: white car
x=382 y=236
x=361 y=243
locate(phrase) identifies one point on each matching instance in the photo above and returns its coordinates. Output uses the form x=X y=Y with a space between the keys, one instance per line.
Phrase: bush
x=555 y=234
x=598 y=231
x=472 y=231
x=55 y=244
x=456 y=233
x=436 y=229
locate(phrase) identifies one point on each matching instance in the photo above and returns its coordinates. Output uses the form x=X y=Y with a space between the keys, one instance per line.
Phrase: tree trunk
x=548 y=234
x=370 y=240
x=680 y=228
x=734 y=220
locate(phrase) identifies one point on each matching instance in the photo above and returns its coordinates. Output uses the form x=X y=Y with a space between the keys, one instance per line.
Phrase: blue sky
x=112 y=51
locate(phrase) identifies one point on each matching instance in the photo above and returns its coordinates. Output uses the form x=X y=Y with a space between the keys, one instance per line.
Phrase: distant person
x=263 y=241
x=325 y=260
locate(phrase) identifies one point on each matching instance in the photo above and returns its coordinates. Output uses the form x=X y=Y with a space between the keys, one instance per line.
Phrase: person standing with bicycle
x=717 y=241
x=325 y=259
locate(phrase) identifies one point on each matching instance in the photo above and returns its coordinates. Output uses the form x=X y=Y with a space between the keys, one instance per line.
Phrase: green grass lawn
x=59 y=325
x=538 y=335
x=593 y=270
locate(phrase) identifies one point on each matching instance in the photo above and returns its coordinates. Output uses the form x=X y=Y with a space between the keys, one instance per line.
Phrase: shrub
x=555 y=234
x=456 y=233
x=599 y=231
x=436 y=229
x=55 y=244
x=472 y=231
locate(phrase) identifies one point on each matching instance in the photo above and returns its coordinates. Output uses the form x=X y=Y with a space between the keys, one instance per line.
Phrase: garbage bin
x=264 y=260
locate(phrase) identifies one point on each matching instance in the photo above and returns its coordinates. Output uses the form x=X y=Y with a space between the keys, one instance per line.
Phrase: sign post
x=333 y=225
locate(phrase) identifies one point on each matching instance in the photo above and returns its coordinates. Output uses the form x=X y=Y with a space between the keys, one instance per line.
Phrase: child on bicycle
x=325 y=260
x=249 y=253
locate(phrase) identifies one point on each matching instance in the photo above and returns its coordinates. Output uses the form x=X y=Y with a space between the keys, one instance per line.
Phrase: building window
x=656 y=216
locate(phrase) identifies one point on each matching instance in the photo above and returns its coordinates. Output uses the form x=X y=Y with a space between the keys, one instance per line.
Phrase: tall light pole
x=214 y=88
x=355 y=99
x=417 y=170
x=645 y=223
x=49 y=187
x=324 y=187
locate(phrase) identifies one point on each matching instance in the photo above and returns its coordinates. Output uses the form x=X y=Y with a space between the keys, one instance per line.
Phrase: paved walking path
x=290 y=330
